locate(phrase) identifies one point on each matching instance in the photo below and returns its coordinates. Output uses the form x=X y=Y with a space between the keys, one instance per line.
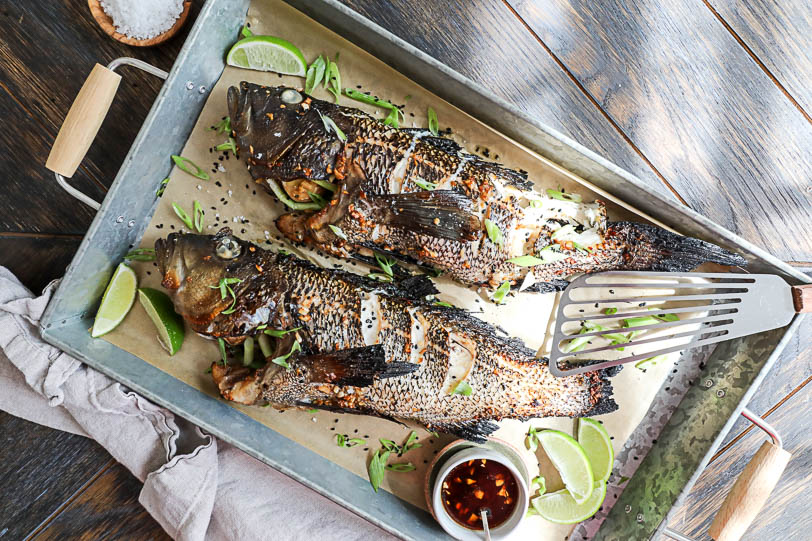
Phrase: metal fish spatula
x=611 y=318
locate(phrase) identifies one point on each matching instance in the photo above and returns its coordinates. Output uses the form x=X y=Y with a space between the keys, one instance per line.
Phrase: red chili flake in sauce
x=480 y=484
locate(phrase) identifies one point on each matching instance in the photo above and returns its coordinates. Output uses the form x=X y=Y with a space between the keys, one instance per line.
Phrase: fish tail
x=648 y=247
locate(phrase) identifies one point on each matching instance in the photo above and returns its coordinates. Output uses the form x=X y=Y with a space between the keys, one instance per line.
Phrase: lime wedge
x=160 y=310
x=267 y=53
x=560 y=507
x=597 y=446
x=569 y=459
x=117 y=300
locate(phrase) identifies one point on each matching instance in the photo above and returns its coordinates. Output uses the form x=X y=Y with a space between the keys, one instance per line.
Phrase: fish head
x=207 y=274
x=268 y=121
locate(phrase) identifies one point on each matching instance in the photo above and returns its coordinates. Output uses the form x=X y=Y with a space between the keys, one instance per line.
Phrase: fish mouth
x=169 y=261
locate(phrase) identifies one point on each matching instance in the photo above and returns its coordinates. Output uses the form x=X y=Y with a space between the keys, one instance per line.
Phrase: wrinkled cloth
x=195 y=486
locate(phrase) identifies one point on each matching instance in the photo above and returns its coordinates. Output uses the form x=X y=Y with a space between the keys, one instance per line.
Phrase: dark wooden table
x=707 y=100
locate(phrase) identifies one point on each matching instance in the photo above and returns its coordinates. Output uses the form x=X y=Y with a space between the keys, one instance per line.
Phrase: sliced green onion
x=183 y=216
x=532 y=441
x=377 y=469
x=538 y=483
x=536 y=203
x=640 y=321
x=526 y=261
x=563 y=196
x=224 y=285
x=228 y=145
x=401 y=467
x=410 y=443
x=651 y=360
x=282 y=196
x=463 y=388
x=246 y=32
x=141 y=254
x=389 y=445
x=282 y=360
x=443 y=303
x=579 y=247
x=326 y=185
x=393 y=118
x=330 y=126
x=278 y=333
x=222 y=345
x=552 y=254
x=315 y=74
x=162 y=187
x=197 y=210
x=499 y=295
x=185 y=164
x=366 y=98
x=434 y=127
x=667 y=317
x=316 y=198
x=313 y=410
x=224 y=126
x=385 y=263
x=340 y=439
x=333 y=79
x=352 y=442
x=425 y=184
x=494 y=233
x=564 y=230
x=265 y=345
x=379 y=276
x=610 y=311
x=248 y=351
x=337 y=230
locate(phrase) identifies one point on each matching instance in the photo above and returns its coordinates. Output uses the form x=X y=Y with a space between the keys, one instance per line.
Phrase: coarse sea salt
x=142 y=19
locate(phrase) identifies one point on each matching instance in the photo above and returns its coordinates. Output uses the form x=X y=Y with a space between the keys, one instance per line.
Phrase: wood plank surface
x=696 y=105
x=39 y=470
x=779 y=35
x=107 y=509
x=36 y=259
x=786 y=515
x=483 y=41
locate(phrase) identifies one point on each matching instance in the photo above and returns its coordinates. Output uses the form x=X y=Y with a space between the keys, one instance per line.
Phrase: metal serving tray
x=690 y=437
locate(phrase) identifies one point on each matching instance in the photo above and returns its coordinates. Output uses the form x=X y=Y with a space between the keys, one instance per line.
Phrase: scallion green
x=499 y=295
x=463 y=388
x=337 y=230
x=315 y=74
x=162 y=187
x=425 y=184
x=282 y=360
x=185 y=164
x=248 y=351
x=331 y=126
x=564 y=196
x=198 y=212
x=183 y=216
x=282 y=196
x=434 y=126
x=141 y=254
x=222 y=345
x=526 y=261
x=401 y=467
x=279 y=333
x=494 y=233
x=326 y=185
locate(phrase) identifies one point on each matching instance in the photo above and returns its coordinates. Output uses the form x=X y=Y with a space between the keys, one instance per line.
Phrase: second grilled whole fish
x=363 y=346
x=421 y=197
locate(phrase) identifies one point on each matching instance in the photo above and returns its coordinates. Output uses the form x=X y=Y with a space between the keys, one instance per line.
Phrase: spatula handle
x=802 y=298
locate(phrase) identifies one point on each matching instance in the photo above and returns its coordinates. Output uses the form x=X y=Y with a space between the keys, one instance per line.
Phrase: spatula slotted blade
x=618 y=317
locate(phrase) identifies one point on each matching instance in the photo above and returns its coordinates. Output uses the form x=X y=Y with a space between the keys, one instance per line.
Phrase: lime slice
x=560 y=507
x=597 y=446
x=117 y=300
x=267 y=53
x=569 y=459
x=160 y=310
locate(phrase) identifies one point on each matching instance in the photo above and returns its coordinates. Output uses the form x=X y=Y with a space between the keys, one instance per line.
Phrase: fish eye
x=291 y=96
x=228 y=248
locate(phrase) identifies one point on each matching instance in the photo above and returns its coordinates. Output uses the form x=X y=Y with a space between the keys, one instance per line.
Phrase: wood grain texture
x=107 y=509
x=779 y=34
x=40 y=468
x=691 y=98
x=36 y=260
x=485 y=42
x=30 y=195
x=786 y=515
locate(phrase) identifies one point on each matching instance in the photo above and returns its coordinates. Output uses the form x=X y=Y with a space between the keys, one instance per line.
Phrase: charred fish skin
x=422 y=197
x=425 y=349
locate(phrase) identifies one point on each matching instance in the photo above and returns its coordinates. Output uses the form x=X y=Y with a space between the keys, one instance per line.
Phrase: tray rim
x=566 y=152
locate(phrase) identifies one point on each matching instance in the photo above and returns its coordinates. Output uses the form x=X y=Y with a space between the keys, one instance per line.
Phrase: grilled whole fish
x=366 y=346
x=424 y=199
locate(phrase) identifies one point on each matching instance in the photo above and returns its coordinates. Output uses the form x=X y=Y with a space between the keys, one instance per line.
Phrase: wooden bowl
x=106 y=24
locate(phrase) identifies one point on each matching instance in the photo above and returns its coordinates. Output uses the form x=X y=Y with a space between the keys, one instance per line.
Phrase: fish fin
x=343 y=409
x=548 y=287
x=476 y=431
x=648 y=247
x=442 y=143
x=445 y=214
x=514 y=177
x=358 y=367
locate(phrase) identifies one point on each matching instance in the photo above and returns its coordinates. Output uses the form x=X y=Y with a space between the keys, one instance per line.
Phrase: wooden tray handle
x=749 y=493
x=83 y=121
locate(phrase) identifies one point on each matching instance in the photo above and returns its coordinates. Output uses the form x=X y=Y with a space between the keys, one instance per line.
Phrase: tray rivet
x=119 y=219
x=189 y=85
x=720 y=393
x=202 y=89
x=628 y=508
x=708 y=383
x=131 y=223
x=639 y=517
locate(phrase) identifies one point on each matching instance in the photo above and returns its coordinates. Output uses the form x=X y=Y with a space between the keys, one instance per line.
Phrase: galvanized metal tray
x=707 y=411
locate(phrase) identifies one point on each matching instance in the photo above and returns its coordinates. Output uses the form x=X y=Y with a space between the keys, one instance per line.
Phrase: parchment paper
x=231 y=198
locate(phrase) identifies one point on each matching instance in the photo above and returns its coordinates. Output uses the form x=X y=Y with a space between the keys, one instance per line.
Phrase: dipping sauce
x=477 y=484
